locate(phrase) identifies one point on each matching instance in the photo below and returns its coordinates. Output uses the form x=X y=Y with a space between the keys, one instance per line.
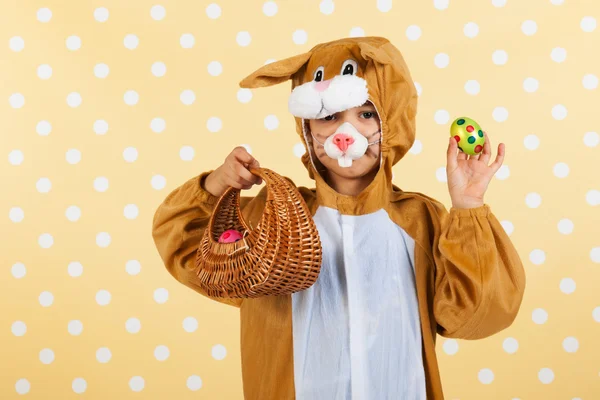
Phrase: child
x=397 y=268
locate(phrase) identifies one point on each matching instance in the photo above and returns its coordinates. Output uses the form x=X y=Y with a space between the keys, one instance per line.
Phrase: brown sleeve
x=480 y=279
x=177 y=229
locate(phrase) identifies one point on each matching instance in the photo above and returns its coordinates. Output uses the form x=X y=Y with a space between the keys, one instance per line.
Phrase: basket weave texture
x=280 y=256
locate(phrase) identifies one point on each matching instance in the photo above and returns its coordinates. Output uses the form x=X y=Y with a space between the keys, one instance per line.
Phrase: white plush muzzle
x=355 y=147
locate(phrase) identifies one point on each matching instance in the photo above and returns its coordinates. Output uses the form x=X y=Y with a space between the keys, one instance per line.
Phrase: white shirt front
x=357 y=331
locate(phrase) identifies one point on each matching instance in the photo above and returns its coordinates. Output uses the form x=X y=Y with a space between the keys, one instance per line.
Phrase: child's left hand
x=468 y=176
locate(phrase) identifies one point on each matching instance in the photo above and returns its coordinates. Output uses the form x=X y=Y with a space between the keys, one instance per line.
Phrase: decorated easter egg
x=468 y=135
x=230 y=236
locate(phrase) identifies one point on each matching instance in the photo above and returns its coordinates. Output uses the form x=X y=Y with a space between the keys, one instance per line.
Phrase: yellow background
x=57 y=210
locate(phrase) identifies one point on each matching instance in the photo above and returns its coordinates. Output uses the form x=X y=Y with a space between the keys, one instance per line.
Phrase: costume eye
x=319 y=74
x=349 y=67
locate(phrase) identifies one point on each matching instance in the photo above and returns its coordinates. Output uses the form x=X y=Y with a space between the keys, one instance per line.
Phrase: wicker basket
x=280 y=256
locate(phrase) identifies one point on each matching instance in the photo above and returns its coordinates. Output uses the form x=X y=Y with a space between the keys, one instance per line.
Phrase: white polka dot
x=103 y=239
x=73 y=43
x=131 y=211
x=565 y=226
x=529 y=27
x=557 y=2
x=16 y=100
x=103 y=355
x=419 y=88
x=503 y=173
x=131 y=42
x=596 y=314
x=299 y=150
x=133 y=267
x=16 y=157
x=130 y=154
x=44 y=15
x=161 y=295
x=595 y=255
x=471 y=30
x=440 y=174
x=441 y=60
x=103 y=297
x=133 y=325
x=486 y=376
x=101 y=71
x=100 y=127
x=384 y=5
x=18 y=270
x=43 y=128
x=592 y=197
x=131 y=97
x=537 y=257
x=213 y=11
x=531 y=142
x=74 y=100
x=539 y=316
x=187 y=97
x=531 y=85
x=500 y=114
x=590 y=81
x=215 y=68
x=45 y=240
x=46 y=356
x=158 y=182
x=498 y=3
x=546 y=375
x=472 y=87
x=326 y=7
x=187 y=41
x=558 y=54
x=75 y=269
x=194 y=383
x=499 y=57
x=243 y=38
x=510 y=345
x=561 y=170
x=219 y=352
x=568 y=286
x=44 y=71
x=270 y=8
x=79 y=385
x=300 y=36
x=441 y=117
x=158 y=125
x=136 y=383
x=214 y=124
x=161 y=353
x=73 y=156
x=591 y=139
x=187 y=153
x=559 y=112
x=271 y=122
x=450 y=347
x=416 y=148
x=357 y=31
x=75 y=327
x=46 y=299
x=190 y=324
x=16 y=43
x=158 y=12
x=441 y=4
x=508 y=226
x=588 y=24
x=101 y=14
x=158 y=69
x=244 y=95
x=16 y=214
x=413 y=32
x=101 y=184
x=18 y=328
x=22 y=386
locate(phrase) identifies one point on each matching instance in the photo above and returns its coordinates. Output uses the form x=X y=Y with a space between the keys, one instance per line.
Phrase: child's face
x=366 y=121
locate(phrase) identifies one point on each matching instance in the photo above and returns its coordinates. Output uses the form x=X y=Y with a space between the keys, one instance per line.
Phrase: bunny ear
x=275 y=72
x=369 y=52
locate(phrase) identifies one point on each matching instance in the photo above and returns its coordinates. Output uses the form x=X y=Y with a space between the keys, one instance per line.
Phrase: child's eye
x=367 y=114
x=328 y=118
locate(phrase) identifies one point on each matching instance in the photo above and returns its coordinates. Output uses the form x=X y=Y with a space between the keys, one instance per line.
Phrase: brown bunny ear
x=373 y=53
x=275 y=72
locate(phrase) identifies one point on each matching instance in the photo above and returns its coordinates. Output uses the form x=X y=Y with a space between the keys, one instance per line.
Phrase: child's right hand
x=234 y=172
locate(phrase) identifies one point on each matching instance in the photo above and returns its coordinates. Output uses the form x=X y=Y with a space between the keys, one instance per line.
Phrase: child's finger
x=487 y=150
x=451 y=154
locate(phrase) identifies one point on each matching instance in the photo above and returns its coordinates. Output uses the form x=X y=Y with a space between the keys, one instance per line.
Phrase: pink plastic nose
x=323 y=85
x=343 y=141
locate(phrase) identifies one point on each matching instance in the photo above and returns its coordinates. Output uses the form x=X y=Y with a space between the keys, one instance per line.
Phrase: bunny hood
x=353 y=70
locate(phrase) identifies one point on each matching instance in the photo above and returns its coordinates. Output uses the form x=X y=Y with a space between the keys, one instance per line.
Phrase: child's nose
x=323 y=85
x=343 y=141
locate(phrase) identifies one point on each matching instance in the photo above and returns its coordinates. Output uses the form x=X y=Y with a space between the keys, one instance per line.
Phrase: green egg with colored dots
x=468 y=135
